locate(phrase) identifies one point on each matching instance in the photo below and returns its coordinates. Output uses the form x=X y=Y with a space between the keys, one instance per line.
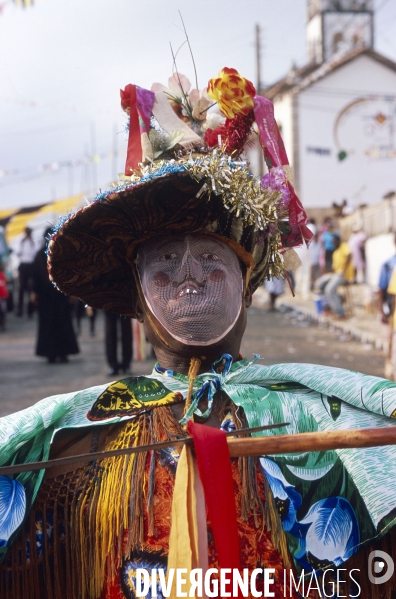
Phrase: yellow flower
x=234 y=94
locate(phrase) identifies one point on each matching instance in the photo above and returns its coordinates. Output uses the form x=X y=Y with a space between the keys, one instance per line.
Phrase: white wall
x=369 y=171
x=378 y=250
x=283 y=116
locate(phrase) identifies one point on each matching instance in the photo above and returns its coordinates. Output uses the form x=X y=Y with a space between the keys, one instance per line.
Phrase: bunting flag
x=21 y=3
x=46 y=168
x=16 y=220
x=24 y=3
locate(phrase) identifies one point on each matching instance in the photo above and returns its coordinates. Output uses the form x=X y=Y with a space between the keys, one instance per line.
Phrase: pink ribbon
x=275 y=156
x=270 y=138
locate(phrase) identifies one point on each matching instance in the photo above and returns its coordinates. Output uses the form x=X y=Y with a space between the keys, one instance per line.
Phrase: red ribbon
x=134 y=151
x=214 y=468
x=297 y=216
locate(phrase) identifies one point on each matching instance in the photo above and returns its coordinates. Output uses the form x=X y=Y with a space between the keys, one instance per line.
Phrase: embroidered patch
x=147 y=560
x=131 y=396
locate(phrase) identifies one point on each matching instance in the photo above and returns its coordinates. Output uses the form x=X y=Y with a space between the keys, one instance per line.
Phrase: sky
x=63 y=62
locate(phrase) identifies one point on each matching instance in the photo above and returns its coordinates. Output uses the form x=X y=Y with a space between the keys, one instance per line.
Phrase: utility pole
x=260 y=159
x=258 y=59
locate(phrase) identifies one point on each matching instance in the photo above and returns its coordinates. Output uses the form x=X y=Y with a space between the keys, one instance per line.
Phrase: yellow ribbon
x=188 y=540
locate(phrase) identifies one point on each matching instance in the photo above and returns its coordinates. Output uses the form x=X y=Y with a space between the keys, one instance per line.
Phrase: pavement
x=294 y=333
x=362 y=323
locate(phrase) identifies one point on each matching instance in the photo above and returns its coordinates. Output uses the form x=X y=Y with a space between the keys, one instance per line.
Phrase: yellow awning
x=17 y=223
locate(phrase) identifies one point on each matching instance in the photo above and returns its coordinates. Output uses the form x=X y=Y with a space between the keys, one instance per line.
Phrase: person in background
x=111 y=338
x=275 y=287
x=158 y=251
x=328 y=242
x=386 y=300
x=55 y=336
x=3 y=296
x=357 y=242
x=26 y=254
x=342 y=274
x=303 y=274
x=314 y=255
x=80 y=311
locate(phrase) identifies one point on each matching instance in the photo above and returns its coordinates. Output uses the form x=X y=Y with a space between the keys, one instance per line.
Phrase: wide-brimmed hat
x=185 y=173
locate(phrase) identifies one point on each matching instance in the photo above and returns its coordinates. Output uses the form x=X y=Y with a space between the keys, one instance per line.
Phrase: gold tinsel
x=241 y=192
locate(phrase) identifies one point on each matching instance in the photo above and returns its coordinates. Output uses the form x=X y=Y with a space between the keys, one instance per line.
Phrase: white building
x=338 y=113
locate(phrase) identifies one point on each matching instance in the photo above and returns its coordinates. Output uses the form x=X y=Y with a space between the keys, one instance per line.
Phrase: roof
x=303 y=77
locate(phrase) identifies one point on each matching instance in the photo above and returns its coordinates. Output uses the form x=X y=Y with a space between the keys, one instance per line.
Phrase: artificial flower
x=161 y=142
x=126 y=97
x=199 y=109
x=234 y=94
x=276 y=180
x=234 y=134
x=214 y=120
x=145 y=101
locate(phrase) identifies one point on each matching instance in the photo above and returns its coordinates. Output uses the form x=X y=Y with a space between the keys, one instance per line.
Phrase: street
x=276 y=336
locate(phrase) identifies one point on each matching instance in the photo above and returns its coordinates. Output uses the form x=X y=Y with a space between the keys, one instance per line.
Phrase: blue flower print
x=12 y=507
x=287 y=500
x=329 y=534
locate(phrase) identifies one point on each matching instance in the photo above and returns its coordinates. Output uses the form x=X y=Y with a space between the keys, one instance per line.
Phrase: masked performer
x=181 y=244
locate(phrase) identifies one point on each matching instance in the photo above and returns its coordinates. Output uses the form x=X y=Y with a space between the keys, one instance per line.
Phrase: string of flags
x=20 y=3
x=46 y=168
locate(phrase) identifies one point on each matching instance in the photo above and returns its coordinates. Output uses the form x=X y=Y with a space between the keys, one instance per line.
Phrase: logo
x=380 y=567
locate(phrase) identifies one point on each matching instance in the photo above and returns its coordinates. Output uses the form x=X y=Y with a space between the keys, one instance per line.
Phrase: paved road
x=277 y=337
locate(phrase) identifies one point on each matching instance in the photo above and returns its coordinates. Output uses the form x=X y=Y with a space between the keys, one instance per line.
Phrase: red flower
x=234 y=134
x=126 y=97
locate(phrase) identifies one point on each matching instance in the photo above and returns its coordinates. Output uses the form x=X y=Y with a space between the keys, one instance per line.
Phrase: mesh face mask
x=193 y=286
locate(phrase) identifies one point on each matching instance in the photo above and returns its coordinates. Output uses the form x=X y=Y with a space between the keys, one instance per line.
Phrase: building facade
x=338 y=113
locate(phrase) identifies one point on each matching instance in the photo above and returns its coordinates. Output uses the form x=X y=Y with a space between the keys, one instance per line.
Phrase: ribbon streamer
x=214 y=468
x=188 y=539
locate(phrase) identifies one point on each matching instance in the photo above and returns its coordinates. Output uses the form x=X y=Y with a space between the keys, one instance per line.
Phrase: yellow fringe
x=192 y=373
x=107 y=508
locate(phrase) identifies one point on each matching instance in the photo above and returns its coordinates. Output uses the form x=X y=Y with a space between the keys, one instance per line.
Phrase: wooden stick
x=320 y=441
x=252 y=446
x=110 y=453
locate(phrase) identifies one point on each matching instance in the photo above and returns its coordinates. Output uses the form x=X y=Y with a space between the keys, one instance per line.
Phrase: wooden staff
x=320 y=441
x=252 y=446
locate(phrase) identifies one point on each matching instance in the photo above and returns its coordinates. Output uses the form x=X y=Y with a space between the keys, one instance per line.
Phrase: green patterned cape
x=330 y=503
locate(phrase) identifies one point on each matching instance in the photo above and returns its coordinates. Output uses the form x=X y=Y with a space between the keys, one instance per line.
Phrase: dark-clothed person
x=56 y=338
x=26 y=254
x=111 y=336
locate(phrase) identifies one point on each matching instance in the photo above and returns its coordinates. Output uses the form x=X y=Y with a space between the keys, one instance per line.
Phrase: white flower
x=214 y=120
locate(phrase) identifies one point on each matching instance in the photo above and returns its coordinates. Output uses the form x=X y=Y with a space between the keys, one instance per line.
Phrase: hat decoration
x=185 y=171
x=209 y=146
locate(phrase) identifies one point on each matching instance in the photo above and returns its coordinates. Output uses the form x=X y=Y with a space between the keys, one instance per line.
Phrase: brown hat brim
x=90 y=255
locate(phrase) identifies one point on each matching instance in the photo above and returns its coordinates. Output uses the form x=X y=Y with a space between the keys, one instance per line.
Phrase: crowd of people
x=181 y=248
x=59 y=316
x=326 y=265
